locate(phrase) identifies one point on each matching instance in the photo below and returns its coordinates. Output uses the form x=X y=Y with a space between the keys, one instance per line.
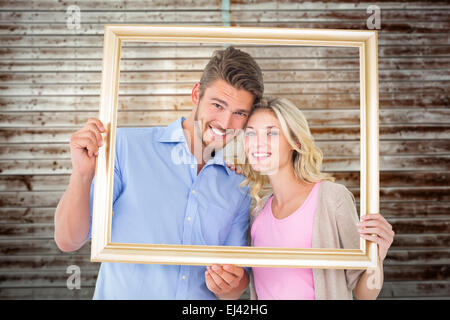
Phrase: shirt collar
x=219 y=159
x=174 y=133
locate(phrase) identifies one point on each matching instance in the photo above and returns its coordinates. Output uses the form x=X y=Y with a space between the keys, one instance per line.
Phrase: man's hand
x=84 y=145
x=226 y=282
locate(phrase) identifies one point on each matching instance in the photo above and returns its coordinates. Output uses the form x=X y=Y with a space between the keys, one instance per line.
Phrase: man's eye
x=241 y=114
x=218 y=106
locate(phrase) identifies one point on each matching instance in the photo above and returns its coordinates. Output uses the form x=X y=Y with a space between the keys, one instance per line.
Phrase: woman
x=304 y=209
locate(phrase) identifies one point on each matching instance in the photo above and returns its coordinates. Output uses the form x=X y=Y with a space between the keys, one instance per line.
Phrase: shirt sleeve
x=239 y=228
x=117 y=188
x=347 y=218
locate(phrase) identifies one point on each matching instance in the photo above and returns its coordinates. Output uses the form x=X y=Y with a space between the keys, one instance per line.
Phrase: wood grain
x=49 y=87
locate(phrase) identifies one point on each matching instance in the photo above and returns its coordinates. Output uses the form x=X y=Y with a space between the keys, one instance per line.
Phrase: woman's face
x=266 y=147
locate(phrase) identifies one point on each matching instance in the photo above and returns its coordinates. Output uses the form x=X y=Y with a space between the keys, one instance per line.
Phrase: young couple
x=201 y=203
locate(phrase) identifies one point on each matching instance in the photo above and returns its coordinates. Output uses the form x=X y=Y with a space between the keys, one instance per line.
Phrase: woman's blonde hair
x=306 y=158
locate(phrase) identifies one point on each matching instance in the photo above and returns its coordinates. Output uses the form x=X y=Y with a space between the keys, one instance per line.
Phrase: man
x=159 y=197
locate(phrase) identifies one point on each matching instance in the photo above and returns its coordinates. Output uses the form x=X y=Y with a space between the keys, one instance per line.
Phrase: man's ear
x=195 y=95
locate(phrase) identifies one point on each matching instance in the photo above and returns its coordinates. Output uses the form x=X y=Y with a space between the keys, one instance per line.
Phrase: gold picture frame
x=102 y=250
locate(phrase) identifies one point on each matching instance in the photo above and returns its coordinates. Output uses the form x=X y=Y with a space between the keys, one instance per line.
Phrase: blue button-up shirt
x=159 y=199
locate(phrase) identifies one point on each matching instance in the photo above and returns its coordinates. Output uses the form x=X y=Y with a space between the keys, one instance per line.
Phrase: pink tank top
x=294 y=231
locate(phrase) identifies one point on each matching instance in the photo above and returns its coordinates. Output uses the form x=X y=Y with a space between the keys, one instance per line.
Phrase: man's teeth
x=217 y=132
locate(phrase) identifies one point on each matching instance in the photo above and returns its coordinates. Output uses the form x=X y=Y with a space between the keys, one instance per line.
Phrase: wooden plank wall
x=50 y=86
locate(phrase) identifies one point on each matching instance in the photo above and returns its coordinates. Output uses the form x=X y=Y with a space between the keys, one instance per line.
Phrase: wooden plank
x=331 y=164
x=31 y=199
x=24 y=215
x=408 y=289
x=418 y=256
x=78 y=41
x=435 y=226
x=133 y=17
x=45 y=279
x=184 y=102
x=191 y=52
x=194 y=76
x=235 y=15
x=391 y=291
x=403 y=27
x=186 y=88
x=94 y=65
x=15 y=246
x=132 y=118
x=397 y=257
x=35 y=247
x=204 y=52
x=388 y=16
x=29 y=231
x=118 y=5
x=51 y=198
x=405 y=209
x=97 y=29
x=414 y=241
x=329 y=149
x=349 y=179
x=338 y=5
x=113 y=5
x=420 y=226
x=44 y=151
x=389 y=209
x=61 y=119
x=85 y=293
x=46 y=262
x=387 y=132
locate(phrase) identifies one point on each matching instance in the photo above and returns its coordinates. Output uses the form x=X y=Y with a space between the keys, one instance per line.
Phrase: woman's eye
x=249 y=134
x=273 y=133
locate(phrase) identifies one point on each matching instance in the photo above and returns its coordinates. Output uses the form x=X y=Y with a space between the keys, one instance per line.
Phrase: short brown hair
x=235 y=67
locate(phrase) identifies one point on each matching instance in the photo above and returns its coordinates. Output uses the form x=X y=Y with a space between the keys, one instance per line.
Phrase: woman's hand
x=236 y=168
x=375 y=228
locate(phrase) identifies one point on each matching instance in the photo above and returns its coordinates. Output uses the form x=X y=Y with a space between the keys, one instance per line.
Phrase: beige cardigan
x=334 y=227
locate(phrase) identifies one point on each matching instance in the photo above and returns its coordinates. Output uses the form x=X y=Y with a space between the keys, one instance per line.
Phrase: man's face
x=221 y=112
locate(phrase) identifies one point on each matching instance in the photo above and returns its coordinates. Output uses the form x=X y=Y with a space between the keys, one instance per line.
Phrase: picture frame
x=103 y=250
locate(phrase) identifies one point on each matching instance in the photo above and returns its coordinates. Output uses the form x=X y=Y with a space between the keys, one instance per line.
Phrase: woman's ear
x=195 y=95
x=297 y=143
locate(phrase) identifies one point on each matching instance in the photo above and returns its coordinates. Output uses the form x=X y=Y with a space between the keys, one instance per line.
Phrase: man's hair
x=235 y=67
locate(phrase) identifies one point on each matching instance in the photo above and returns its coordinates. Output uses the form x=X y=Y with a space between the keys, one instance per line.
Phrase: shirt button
x=183 y=277
x=189 y=218
x=192 y=166
x=193 y=191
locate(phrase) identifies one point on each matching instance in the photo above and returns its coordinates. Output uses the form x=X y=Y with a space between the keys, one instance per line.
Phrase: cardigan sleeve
x=346 y=219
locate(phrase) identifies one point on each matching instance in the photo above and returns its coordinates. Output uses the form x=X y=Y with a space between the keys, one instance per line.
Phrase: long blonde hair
x=306 y=158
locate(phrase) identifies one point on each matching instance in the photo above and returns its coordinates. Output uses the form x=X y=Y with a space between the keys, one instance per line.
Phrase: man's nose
x=226 y=120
